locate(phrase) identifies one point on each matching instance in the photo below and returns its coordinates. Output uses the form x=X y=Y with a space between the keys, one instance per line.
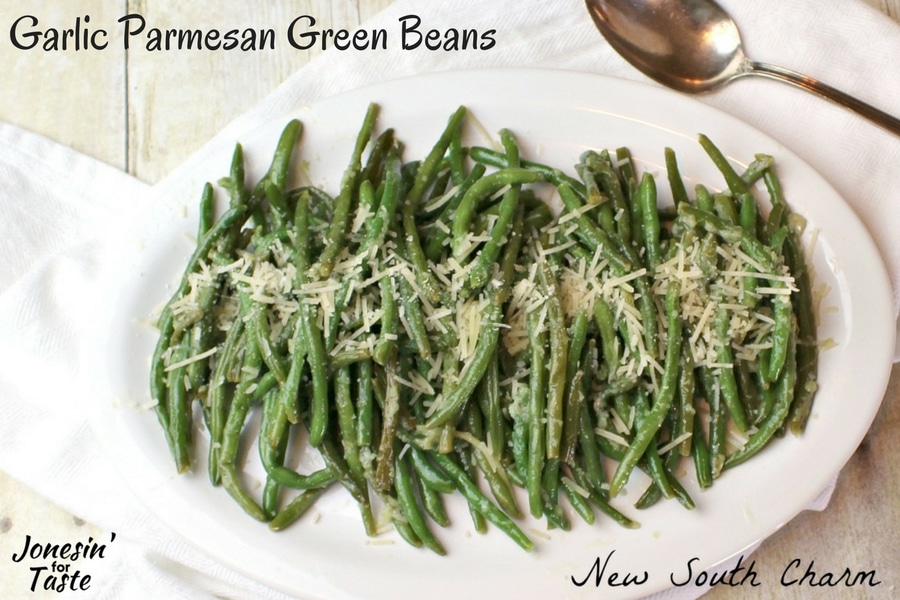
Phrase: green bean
x=377 y=229
x=433 y=503
x=308 y=333
x=807 y=355
x=158 y=386
x=718 y=419
x=296 y=508
x=454 y=400
x=746 y=384
x=749 y=220
x=343 y=206
x=383 y=145
x=734 y=181
x=428 y=474
x=592 y=193
x=338 y=467
x=700 y=454
x=301 y=259
x=234 y=182
x=406 y=495
x=492 y=471
x=440 y=236
x=520 y=432
x=681 y=494
x=375 y=376
x=290 y=390
x=463 y=455
x=757 y=168
x=482 y=266
x=676 y=183
x=272 y=457
x=651 y=455
x=481 y=189
x=365 y=403
x=424 y=178
x=617 y=209
x=574 y=386
x=487 y=508
x=725 y=208
x=231 y=482
x=234 y=424
x=490 y=402
x=415 y=322
x=406 y=531
x=578 y=502
x=663 y=398
x=785 y=389
x=605 y=320
x=652 y=494
x=730 y=233
x=347 y=427
x=686 y=410
x=390 y=423
x=590 y=452
x=725 y=374
x=781 y=331
x=278 y=209
x=217 y=399
x=556 y=518
x=390 y=321
x=501 y=161
x=281 y=158
x=558 y=360
x=650 y=497
x=537 y=336
x=259 y=324
x=206 y=212
x=179 y=409
x=594 y=237
x=650 y=219
x=611 y=512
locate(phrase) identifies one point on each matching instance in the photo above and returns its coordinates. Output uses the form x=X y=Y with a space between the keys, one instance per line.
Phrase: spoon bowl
x=695 y=46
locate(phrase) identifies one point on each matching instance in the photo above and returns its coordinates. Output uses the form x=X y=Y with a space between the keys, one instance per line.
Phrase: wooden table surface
x=129 y=112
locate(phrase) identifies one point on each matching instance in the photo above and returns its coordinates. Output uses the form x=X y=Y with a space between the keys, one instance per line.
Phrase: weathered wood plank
x=220 y=85
x=74 y=97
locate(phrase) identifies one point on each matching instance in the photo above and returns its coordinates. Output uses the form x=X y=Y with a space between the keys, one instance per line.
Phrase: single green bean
x=296 y=508
x=673 y=173
x=650 y=219
x=537 y=336
x=735 y=183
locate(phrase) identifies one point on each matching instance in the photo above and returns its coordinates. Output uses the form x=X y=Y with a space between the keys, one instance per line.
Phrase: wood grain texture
x=160 y=132
x=76 y=98
x=145 y=112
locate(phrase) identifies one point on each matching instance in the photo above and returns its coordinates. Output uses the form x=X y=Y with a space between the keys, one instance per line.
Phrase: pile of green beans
x=536 y=406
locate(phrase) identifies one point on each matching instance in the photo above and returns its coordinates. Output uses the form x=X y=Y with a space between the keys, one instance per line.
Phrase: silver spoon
x=694 y=46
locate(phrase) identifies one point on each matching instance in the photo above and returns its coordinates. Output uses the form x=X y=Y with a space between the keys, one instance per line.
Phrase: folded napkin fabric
x=56 y=206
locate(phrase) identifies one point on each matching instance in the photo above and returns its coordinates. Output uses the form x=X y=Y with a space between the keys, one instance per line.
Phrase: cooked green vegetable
x=434 y=326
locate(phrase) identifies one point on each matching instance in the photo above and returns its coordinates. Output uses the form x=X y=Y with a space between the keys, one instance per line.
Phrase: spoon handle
x=815 y=86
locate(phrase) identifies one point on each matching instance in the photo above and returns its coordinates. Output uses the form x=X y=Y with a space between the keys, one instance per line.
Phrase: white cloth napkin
x=56 y=205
